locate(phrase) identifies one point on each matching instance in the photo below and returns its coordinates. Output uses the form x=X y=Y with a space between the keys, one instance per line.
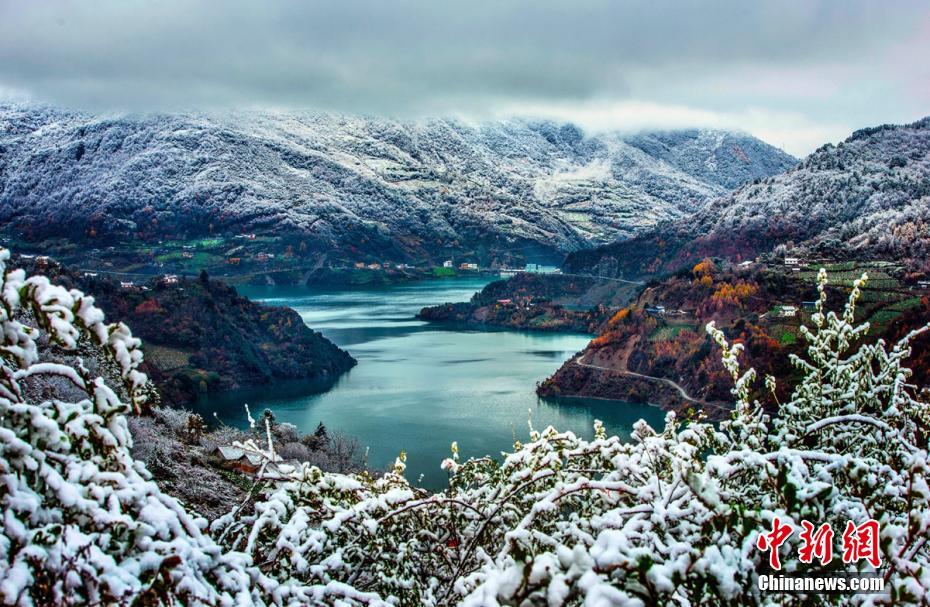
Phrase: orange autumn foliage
x=606 y=338
x=620 y=316
x=734 y=294
x=705 y=267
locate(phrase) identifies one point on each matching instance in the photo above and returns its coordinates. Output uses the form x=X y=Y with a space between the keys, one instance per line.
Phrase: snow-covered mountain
x=868 y=196
x=357 y=186
x=725 y=158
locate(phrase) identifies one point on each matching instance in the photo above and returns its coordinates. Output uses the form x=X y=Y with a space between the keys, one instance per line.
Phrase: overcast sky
x=796 y=74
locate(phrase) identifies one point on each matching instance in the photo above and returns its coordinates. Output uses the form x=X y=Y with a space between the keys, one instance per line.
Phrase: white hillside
x=338 y=181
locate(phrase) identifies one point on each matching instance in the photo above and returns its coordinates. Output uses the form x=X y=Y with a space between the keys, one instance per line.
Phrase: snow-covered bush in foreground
x=671 y=518
x=82 y=524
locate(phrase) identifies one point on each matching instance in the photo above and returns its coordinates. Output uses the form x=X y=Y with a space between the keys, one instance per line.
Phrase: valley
x=464 y=304
x=745 y=259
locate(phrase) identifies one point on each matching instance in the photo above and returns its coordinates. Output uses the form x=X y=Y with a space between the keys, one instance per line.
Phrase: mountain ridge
x=356 y=186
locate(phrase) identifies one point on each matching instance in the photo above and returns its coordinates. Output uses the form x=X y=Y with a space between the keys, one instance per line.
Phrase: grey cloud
x=416 y=56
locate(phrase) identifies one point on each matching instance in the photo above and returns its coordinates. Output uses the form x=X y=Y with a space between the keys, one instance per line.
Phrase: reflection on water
x=420 y=386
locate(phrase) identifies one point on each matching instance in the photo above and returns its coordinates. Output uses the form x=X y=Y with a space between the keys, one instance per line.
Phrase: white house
x=447 y=263
x=788 y=311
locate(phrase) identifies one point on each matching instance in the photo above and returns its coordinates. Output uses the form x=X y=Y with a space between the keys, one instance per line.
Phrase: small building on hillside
x=187 y=255
x=505 y=302
x=359 y=265
x=127 y=284
x=374 y=266
x=793 y=261
x=234 y=458
x=656 y=310
x=169 y=279
x=447 y=263
x=234 y=261
x=788 y=311
x=468 y=266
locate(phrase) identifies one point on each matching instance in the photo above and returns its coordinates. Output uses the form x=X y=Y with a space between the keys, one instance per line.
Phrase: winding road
x=674 y=384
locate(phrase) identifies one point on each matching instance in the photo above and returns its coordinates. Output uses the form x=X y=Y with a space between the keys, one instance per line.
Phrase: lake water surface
x=419 y=386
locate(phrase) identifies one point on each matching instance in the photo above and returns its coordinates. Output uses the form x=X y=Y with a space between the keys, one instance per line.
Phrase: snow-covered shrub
x=671 y=518
x=81 y=523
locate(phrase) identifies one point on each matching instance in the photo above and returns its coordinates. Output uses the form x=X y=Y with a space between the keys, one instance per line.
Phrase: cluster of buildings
x=467 y=267
x=260 y=257
x=522 y=301
x=42 y=261
x=361 y=265
x=530 y=268
x=167 y=280
x=795 y=263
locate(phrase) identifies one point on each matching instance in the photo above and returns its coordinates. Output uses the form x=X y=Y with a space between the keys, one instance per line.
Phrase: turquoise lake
x=419 y=386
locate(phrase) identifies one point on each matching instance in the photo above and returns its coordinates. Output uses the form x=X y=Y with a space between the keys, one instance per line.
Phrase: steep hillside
x=199 y=336
x=534 y=302
x=656 y=350
x=351 y=187
x=869 y=196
